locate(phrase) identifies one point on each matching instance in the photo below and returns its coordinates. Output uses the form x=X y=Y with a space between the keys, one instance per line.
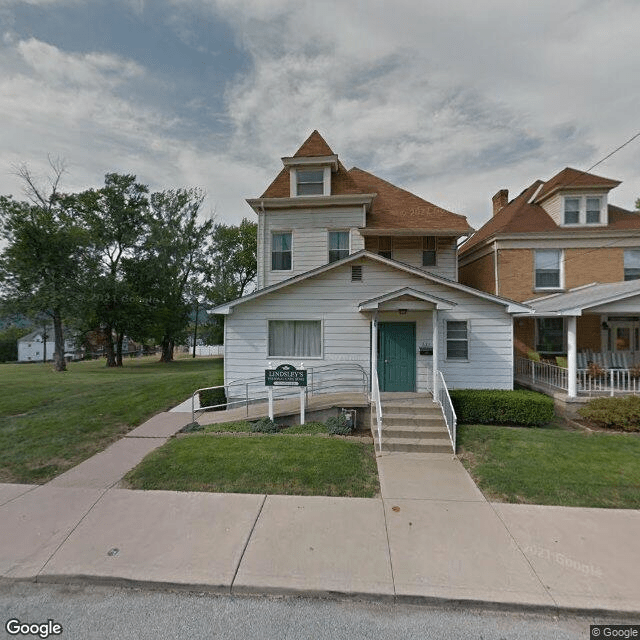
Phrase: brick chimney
x=500 y=200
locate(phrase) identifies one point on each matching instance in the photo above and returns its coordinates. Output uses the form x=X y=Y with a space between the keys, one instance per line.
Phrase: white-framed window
x=429 y=251
x=338 y=245
x=632 y=264
x=550 y=336
x=385 y=246
x=310 y=182
x=457 y=340
x=281 y=251
x=295 y=338
x=548 y=269
x=584 y=210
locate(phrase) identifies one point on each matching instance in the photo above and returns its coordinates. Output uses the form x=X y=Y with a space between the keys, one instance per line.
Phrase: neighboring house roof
x=524 y=215
x=392 y=207
x=575 y=301
x=512 y=306
x=570 y=178
x=37 y=333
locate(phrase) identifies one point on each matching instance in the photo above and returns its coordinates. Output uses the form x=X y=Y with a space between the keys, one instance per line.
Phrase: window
x=632 y=264
x=295 y=338
x=338 y=245
x=310 y=182
x=550 y=335
x=571 y=210
x=593 y=210
x=429 y=251
x=385 y=246
x=583 y=209
x=547 y=265
x=281 y=251
x=457 y=340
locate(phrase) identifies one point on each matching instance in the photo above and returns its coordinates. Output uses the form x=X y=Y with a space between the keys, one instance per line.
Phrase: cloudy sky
x=452 y=100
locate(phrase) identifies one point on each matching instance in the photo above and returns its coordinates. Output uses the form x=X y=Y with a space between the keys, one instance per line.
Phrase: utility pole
x=44 y=341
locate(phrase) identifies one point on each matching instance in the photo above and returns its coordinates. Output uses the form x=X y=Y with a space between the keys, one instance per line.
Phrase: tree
x=232 y=267
x=116 y=219
x=168 y=273
x=44 y=262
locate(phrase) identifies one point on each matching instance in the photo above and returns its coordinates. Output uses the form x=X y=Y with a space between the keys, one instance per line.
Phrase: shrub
x=614 y=413
x=264 y=425
x=480 y=406
x=337 y=425
x=212 y=397
x=533 y=355
x=191 y=428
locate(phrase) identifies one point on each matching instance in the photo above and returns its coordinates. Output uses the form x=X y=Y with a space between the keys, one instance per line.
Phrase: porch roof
x=595 y=297
x=407 y=295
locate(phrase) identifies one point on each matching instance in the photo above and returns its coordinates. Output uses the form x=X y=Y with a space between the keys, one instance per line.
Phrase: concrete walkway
x=430 y=537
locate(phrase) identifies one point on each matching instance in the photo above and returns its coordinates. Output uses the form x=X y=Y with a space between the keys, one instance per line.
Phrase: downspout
x=495 y=268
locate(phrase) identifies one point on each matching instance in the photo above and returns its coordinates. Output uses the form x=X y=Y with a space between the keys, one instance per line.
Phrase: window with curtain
x=547 y=265
x=632 y=264
x=281 y=251
x=295 y=338
x=457 y=340
x=338 y=245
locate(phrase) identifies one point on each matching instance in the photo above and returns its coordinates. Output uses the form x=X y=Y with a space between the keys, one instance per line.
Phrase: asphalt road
x=98 y=612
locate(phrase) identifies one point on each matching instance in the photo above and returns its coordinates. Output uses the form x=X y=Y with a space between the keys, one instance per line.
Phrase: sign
x=285 y=375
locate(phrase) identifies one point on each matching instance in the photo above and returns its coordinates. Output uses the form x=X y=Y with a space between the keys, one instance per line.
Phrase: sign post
x=286 y=375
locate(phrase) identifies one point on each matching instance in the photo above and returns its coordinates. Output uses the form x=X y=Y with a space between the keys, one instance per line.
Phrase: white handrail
x=375 y=391
x=449 y=413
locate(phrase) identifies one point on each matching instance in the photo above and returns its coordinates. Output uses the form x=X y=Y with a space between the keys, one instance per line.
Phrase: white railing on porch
x=444 y=400
x=375 y=397
x=611 y=381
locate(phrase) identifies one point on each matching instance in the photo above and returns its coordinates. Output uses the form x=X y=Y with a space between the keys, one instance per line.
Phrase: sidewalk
x=430 y=537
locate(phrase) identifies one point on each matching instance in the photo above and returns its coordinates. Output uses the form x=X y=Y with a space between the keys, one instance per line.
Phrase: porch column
x=374 y=345
x=572 y=356
x=434 y=337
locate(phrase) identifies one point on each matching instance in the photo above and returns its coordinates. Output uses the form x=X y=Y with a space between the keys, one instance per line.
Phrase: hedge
x=480 y=406
x=614 y=413
x=213 y=397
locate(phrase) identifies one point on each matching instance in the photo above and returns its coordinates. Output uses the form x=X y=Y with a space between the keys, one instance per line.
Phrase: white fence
x=610 y=381
x=209 y=350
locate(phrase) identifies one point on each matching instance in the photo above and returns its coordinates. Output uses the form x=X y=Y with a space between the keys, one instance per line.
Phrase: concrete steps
x=412 y=425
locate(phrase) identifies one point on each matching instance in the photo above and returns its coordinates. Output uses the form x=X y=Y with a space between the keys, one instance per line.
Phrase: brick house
x=554 y=238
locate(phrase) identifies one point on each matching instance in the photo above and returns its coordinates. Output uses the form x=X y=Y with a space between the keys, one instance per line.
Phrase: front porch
x=584 y=342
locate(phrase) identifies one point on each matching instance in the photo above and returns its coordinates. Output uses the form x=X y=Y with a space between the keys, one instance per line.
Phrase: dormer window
x=584 y=210
x=310 y=182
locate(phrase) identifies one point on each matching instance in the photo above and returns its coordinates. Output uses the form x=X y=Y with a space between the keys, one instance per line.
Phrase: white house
x=352 y=269
x=32 y=348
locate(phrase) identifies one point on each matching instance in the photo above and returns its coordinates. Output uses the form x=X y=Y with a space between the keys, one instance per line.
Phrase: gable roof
x=314 y=145
x=570 y=178
x=524 y=215
x=511 y=305
x=396 y=208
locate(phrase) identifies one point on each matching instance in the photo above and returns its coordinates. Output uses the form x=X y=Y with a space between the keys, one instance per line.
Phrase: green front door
x=397 y=356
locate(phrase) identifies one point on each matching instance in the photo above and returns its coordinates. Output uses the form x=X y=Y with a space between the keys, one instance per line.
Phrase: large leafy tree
x=116 y=219
x=232 y=267
x=168 y=273
x=44 y=263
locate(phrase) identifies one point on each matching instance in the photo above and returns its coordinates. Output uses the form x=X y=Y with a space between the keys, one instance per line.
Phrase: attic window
x=584 y=210
x=310 y=182
x=356 y=273
x=385 y=246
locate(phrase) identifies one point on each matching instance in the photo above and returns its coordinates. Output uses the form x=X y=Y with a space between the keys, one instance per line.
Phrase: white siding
x=309 y=229
x=553 y=206
x=332 y=298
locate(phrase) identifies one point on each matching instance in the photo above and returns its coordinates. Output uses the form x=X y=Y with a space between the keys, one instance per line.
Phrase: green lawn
x=553 y=466
x=51 y=421
x=274 y=464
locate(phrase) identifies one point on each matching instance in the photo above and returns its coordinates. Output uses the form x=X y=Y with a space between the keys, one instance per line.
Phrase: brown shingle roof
x=521 y=217
x=314 y=145
x=570 y=178
x=396 y=208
